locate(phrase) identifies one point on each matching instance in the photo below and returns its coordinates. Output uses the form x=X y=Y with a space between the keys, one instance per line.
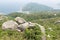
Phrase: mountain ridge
x=36 y=7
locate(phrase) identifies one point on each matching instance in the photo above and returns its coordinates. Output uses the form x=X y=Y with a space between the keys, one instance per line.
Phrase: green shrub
x=33 y=34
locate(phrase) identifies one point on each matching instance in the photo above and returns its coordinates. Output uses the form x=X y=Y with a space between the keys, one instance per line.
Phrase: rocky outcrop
x=19 y=20
x=25 y=26
x=9 y=25
x=42 y=30
x=21 y=25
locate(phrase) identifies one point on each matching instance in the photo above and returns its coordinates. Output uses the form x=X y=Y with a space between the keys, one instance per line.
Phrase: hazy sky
x=51 y=3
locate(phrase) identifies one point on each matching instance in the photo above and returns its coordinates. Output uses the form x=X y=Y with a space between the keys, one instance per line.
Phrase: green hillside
x=36 y=7
x=46 y=19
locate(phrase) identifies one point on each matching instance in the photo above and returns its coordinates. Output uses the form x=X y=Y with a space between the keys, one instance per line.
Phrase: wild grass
x=46 y=20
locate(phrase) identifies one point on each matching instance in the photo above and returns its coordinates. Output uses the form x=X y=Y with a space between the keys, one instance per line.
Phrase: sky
x=7 y=6
x=52 y=3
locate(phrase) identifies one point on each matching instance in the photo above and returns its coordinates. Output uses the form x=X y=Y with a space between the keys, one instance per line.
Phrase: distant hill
x=6 y=8
x=36 y=7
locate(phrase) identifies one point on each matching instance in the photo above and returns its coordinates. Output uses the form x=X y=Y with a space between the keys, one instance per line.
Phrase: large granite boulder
x=19 y=20
x=26 y=25
x=9 y=25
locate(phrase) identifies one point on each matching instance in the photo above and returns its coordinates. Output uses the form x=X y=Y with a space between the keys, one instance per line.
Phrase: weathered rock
x=9 y=25
x=25 y=26
x=31 y=24
x=57 y=22
x=20 y=20
x=42 y=30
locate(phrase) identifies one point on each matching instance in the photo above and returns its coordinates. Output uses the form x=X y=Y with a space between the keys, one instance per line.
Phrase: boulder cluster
x=19 y=24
